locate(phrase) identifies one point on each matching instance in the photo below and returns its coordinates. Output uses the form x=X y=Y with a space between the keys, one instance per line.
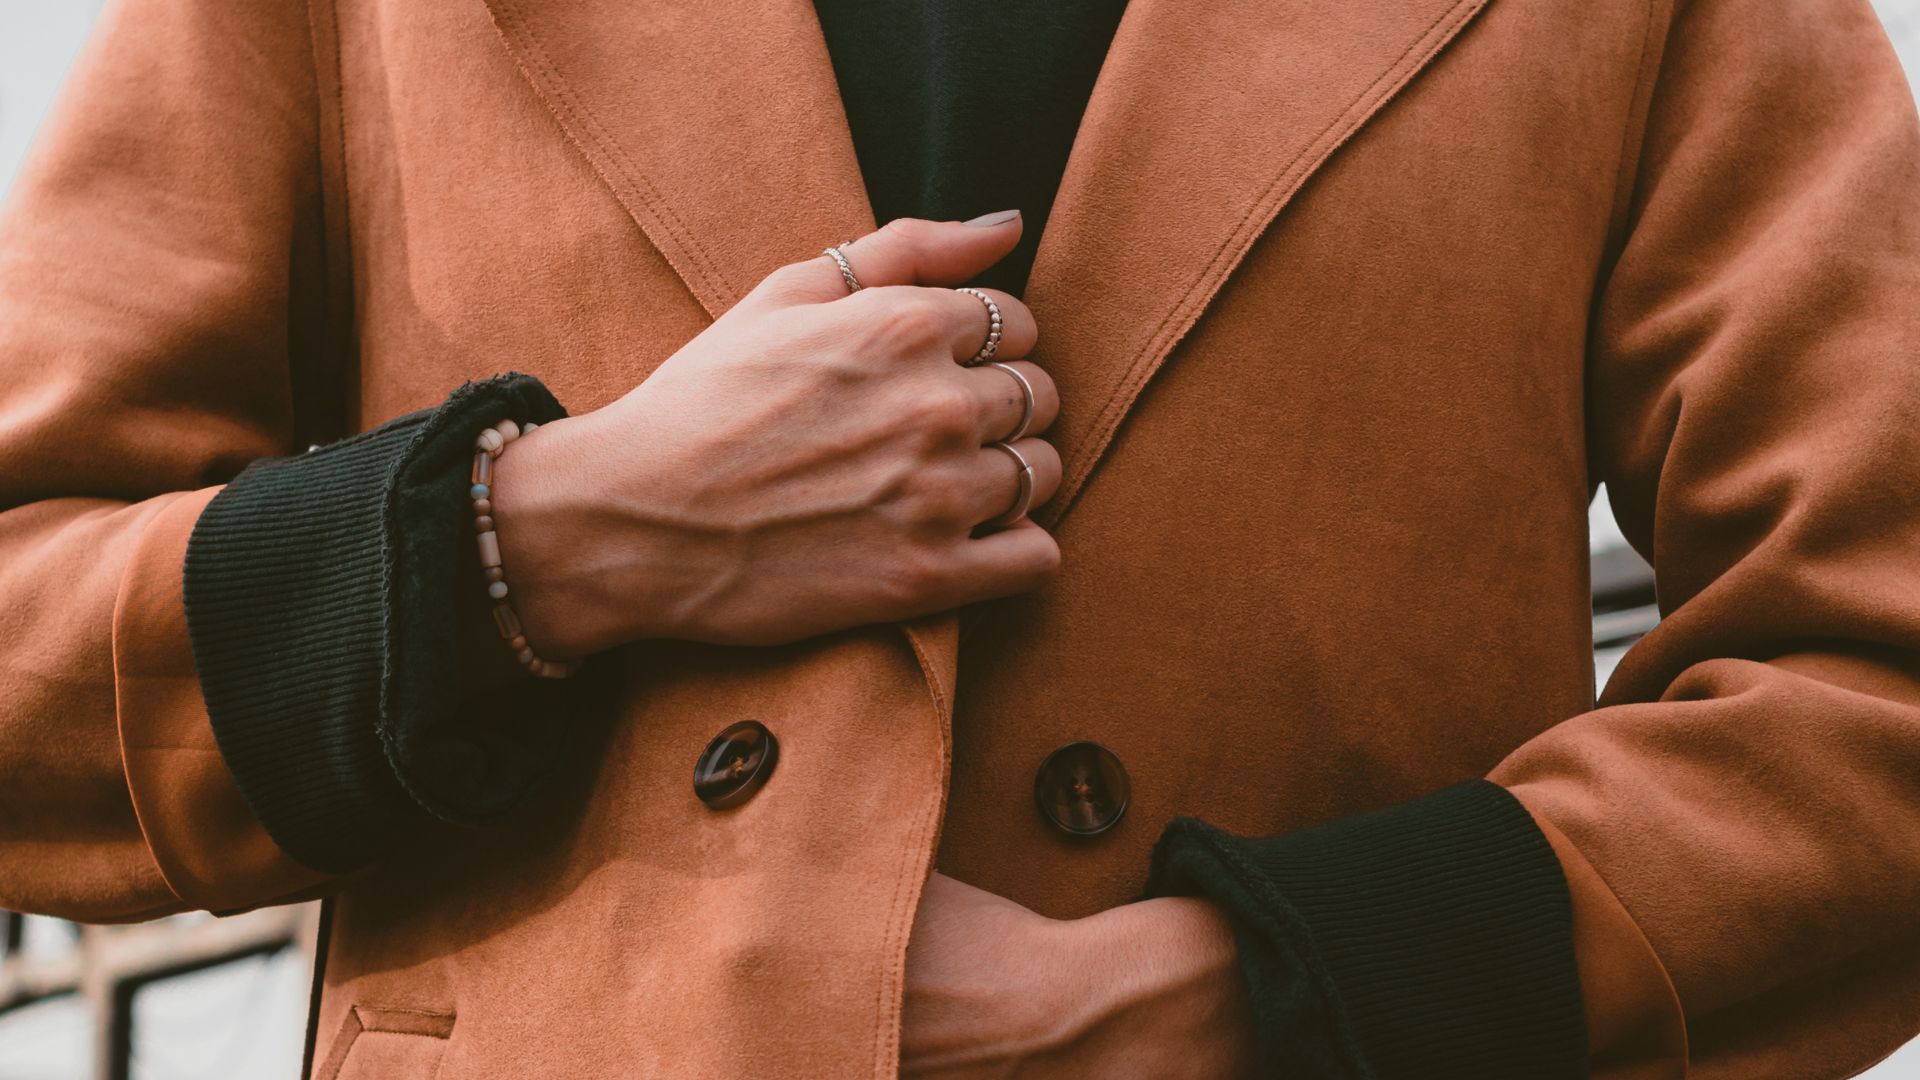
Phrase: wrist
x=1160 y=990
x=571 y=588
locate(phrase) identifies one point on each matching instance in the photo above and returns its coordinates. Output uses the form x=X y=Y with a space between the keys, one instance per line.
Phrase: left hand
x=1144 y=990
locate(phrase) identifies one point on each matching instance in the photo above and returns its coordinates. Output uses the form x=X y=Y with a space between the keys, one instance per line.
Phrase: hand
x=810 y=462
x=1144 y=990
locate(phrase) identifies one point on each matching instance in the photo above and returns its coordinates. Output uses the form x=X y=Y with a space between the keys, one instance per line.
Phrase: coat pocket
x=376 y=1043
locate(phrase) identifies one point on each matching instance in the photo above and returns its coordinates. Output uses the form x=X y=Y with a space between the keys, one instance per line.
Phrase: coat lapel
x=716 y=123
x=1205 y=121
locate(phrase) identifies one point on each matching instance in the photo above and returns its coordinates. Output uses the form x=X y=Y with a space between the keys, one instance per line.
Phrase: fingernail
x=998 y=217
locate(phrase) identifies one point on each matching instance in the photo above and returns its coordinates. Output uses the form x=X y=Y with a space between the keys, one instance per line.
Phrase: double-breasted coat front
x=1351 y=307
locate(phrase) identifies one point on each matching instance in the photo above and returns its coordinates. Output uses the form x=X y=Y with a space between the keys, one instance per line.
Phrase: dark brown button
x=1082 y=788
x=735 y=764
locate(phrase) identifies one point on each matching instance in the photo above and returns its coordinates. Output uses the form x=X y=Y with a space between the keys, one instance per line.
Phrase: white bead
x=489 y=542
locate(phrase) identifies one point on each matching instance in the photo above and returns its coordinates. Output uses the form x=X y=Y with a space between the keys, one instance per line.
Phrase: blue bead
x=481 y=491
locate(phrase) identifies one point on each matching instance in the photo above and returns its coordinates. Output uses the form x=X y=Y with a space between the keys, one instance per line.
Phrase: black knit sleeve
x=331 y=603
x=1430 y=940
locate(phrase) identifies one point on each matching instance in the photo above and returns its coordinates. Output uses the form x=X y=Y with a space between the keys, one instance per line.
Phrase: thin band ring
x=1023 y=498
x=1027 y=402
x=846 y=268
x=993 y=328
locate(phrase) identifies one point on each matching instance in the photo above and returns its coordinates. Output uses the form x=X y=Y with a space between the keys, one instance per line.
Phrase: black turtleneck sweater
x=958 y=109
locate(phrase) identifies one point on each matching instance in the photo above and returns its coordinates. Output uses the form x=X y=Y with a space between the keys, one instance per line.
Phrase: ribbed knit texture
x=324 y=605
x=1429 y=941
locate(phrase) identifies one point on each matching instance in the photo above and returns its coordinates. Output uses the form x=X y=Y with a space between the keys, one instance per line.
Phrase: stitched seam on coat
x=563 y=103
x=1266 y=206
x=921 y=655
x=345 y=254
x=1625 y=185
x=887 y=1052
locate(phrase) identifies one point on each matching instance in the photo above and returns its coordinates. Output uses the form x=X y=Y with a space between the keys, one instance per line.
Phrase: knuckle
x=910 y=325
x=912 y=580
x=936 y=502
x=944 y=411
x=911 y=230
x=784 y=283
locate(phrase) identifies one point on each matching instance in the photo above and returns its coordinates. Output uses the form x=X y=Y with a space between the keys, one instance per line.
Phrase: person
x=1126 y=615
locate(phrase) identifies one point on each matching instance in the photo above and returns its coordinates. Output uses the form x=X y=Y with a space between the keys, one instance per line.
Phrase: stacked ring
x=993 y=328
x=1023 y=498
x=1027 y=402
x=846 y=268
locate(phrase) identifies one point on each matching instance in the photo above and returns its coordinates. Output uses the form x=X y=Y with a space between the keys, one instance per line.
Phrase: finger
x=994 y=481
x=905 y=251
x=1019 y=558
x=973 y=321
x=1003 y=401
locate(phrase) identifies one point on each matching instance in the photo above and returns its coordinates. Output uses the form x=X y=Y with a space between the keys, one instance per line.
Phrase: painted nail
x=998 y=217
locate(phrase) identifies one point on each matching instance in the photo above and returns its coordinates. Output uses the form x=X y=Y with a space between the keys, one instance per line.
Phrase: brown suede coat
x=1350 y=305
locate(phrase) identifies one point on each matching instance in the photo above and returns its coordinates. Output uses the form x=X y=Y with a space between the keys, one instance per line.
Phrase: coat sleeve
x=233 y=672
x=1728 y=847
x=1750 y=785
x=144 y=277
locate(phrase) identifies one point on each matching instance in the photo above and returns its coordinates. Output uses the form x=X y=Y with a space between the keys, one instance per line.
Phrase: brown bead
x=489 y=548
x=483 y=523
x=495 y=573
x=518 y=642
x=482 y=469
x=508 y=430
x=525 y=655
x=483 y=506
x=505 y=619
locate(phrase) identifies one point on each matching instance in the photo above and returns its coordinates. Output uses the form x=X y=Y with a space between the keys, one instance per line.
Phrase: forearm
x=1163 y=993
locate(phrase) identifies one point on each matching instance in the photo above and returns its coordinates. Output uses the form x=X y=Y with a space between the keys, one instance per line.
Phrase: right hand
x=811 y=462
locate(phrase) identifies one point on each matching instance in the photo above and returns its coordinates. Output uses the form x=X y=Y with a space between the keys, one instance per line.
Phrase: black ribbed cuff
x=1430 y=940
x=324 y=604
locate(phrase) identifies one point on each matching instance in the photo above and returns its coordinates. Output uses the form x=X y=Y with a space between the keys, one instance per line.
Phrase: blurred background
x=199 y=998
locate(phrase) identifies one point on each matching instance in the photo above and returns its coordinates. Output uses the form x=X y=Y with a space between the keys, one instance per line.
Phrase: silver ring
x=1026 y=391
x=1022 y=499
x=846 y=268
x=993 y=328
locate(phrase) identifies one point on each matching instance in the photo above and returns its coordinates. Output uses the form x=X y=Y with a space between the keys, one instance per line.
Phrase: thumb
x=904 y=251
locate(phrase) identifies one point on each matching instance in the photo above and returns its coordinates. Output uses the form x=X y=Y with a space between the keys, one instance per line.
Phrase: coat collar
x=719 y=127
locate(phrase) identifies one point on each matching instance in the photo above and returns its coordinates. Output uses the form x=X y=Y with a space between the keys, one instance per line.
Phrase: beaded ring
x=486 y=448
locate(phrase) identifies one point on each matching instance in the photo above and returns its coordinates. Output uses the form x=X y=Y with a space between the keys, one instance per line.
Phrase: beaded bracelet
x=485 y=449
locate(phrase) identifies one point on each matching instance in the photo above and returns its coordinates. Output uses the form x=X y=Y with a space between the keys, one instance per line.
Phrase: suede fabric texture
x=1350 y=306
